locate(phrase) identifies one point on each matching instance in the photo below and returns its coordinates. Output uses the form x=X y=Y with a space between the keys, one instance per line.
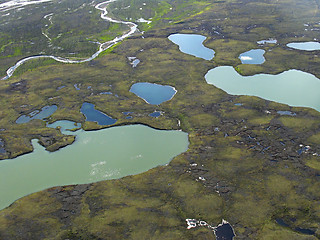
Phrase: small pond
x=94 y=115
x=192 y=44
x=224 y=231
x=306 y=46
x=64 y=125
x=153 y=93
x=45 y=112
x=134 y=61
x=94 y=156
x=254 y=56
x=155 y=114
x=288 y=113
x=293 y=87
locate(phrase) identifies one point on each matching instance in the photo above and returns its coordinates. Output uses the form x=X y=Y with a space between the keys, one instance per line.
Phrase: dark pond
x=45 y=112
x=155 y=114
x=281 y=222
x=254 y=56
x=153 y=93
x=94 y=115
x=300 y=230
x=128 y=115
x=224 y=231
x=2 y=149
x=305 y=231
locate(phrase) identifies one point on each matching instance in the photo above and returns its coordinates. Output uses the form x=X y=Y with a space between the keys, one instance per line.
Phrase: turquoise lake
x=293 y=87
x=153 y=93
x=192 y=44
x=94 y=156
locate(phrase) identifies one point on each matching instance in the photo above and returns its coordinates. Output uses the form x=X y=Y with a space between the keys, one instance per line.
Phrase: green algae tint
x=97 y=155
x=293 y=87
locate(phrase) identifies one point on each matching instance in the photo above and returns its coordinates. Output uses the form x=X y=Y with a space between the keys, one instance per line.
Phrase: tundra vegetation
x=245 y=163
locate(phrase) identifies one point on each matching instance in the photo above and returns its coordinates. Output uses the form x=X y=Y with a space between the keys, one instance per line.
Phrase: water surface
x=254 y=56
x=307 y=46
x=64 y=125
x=94 y=115
x=293 y=87
x=45 y=112
x=95 y=155
x=224 y=232
x=155 y=114
x=153 y=93
x=192 y=44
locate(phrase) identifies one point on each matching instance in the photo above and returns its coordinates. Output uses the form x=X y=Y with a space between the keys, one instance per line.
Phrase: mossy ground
x=248 y=155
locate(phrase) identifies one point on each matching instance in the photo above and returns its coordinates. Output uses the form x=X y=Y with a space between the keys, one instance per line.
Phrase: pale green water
x=99 y=155
x=293 y=87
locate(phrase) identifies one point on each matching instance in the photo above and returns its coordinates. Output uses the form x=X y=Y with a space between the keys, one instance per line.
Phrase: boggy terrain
x=246 y=163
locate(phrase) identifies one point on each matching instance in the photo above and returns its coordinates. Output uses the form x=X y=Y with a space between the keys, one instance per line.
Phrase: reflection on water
x=254 y=56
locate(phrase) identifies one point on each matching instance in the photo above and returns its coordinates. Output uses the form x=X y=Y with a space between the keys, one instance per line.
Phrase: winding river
x=102 y=46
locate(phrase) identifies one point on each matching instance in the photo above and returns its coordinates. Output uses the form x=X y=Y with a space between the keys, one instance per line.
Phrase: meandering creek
x=102 y=46
x=121 y=151
x=94 y=156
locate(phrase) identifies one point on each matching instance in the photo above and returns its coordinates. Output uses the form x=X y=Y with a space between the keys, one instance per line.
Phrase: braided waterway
x=102 y=46
x=94 y=156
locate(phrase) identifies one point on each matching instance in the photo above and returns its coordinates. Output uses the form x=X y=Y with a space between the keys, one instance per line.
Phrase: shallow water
x=153 y=93
x=64 y=125
x=307 y=46
x=293 y=87
x=192 y=44
x=94 y=156
x=45 y=112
